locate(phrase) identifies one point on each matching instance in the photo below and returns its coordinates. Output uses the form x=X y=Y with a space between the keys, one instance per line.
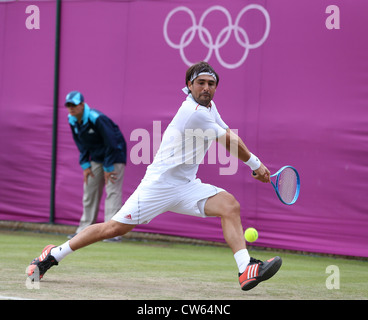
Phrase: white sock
x=242 y=259
x=61 y=252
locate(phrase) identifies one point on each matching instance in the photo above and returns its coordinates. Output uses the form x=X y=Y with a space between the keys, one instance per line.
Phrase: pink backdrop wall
x=299 y=98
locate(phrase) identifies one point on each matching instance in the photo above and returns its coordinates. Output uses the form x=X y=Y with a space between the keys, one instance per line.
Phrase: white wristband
x=254 y=163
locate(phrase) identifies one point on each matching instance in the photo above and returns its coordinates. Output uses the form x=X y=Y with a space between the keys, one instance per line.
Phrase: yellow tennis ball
x=251 y=234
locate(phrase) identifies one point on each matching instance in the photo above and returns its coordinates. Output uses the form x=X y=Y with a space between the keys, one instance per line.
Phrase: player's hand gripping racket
x=287 y=184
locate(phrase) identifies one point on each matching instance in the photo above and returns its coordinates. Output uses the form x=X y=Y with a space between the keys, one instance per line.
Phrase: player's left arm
x=236 y=146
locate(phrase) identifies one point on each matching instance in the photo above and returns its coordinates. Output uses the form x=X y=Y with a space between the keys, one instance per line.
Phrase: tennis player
x=170 y=184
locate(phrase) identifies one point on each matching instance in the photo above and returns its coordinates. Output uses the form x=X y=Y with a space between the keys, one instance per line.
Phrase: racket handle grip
x=254 y=173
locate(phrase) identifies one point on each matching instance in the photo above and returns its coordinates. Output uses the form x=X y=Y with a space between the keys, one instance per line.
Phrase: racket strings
x=287 y=185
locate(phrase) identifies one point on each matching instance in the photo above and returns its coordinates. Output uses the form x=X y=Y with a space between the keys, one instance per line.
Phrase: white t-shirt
x=185 y=143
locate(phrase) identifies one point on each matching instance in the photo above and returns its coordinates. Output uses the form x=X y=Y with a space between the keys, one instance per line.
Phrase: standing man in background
x=102 y=157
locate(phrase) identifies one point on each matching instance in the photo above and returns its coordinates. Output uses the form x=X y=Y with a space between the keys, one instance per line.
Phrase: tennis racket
x=287 y=184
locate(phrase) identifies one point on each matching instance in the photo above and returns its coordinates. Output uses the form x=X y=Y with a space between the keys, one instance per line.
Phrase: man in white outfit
x=170 y=183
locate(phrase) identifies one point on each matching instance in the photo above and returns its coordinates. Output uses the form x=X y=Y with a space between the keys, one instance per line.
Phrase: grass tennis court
x=168 y=271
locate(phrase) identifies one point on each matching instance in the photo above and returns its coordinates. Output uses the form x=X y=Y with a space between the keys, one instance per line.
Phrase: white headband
x=195 y=75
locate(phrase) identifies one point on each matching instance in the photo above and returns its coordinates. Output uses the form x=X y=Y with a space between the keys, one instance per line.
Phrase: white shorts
x=151 y=199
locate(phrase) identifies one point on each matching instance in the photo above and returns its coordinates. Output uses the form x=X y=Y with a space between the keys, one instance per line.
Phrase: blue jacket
x=98 y=139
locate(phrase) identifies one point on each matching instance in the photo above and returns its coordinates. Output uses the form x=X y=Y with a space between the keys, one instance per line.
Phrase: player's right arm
x=235 y=145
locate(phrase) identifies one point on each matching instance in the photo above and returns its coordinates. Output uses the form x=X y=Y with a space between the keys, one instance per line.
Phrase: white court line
x=13 y=298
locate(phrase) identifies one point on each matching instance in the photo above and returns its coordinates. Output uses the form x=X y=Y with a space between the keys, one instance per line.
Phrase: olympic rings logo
x=223 y=36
